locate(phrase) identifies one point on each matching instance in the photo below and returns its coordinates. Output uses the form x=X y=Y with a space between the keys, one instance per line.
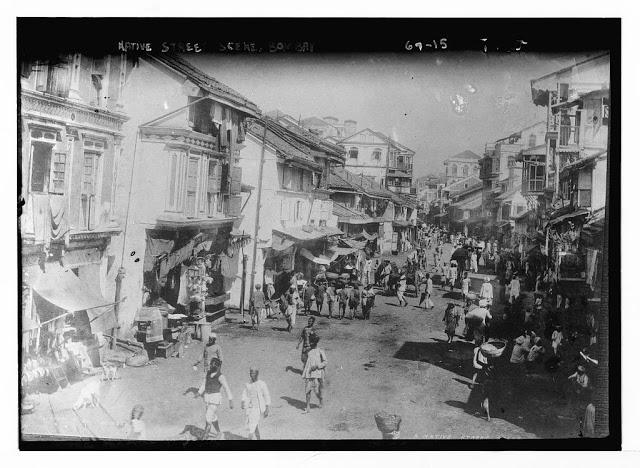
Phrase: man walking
x=212 y=350
x=211 y=388
x=255 y=402
x=256 y=307
x=305 y=339
x=313 y=372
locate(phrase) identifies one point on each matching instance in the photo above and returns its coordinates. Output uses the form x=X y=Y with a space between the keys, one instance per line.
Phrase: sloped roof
x=465 y=155
x=206 y=82
x=283 y=141
x=315 y=121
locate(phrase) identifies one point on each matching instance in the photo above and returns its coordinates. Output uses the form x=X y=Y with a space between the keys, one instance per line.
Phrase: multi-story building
x=501 y=172
x=374 y=154
x=329 y=127
x=361 y=205
x=461 y=166
x=71 y=130
x=178 y=186
x=296 y=224
x=567 y=181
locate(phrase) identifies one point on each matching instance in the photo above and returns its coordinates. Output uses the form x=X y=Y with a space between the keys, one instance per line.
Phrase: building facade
x=461 y=166
x=179 y=188
x=296 y=212
x=71 y=132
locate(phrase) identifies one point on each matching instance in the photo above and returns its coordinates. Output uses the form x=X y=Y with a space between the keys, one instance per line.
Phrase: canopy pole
x=257 y=220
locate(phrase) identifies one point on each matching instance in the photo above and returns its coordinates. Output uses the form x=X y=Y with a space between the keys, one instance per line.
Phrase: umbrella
x=460 y=254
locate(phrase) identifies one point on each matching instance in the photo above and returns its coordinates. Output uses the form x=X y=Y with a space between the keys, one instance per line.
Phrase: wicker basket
x=493 y=349
x=386 y=422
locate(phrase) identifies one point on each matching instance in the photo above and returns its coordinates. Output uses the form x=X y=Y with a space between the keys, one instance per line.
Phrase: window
x=176 y=181
x=52 y=78
x=454 y=170
x=214 y=176
x=57 y=173
x=353 y=153
x=532 y=140
x=376 y=155
x=300 y=179
x=284 y=210
x=90 y=166
x=400 y=161
x=465 y=171
x=192 y=188
x=40 y=166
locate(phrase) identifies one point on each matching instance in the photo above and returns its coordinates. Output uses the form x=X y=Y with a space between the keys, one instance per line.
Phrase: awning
x=320 y=260
x=573 y=214
x=279 y=243
x=308 y=233
x=354 y=244
x=62 y=288
x=368 y=236
x=336 y=252
x=402 y=223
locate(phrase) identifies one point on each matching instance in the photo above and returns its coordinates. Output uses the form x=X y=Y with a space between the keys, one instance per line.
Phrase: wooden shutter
x=235 y=205
x=214 y=176
x=236 y=180
x=57 y=176
x=192 y=187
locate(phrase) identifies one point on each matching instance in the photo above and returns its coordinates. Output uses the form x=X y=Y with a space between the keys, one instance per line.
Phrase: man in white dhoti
x=255 y=402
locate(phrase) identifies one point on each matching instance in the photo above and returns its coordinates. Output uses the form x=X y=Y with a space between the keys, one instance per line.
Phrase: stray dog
x=89 y=395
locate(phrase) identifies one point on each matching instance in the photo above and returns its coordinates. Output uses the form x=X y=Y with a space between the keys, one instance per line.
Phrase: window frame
x=351 y=151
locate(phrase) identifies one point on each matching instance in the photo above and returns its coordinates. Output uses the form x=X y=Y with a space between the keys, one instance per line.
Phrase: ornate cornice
x=181 y=137
x=70 y=112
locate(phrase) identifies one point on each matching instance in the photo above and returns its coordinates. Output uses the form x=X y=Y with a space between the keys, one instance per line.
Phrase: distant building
x=461 y=166
x=327 y=127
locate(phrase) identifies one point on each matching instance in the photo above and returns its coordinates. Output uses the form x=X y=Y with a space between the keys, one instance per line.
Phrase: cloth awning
x=62 y=288
x=573 y=214
x=309 y=233
x=402 y=223
x=368 y=236
x=279 y=243
x=320 y=260
x=336 y=252
x=354 y=244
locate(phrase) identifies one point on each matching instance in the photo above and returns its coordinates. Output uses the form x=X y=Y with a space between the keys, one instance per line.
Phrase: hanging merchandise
x=183 y=293
x=216 y=113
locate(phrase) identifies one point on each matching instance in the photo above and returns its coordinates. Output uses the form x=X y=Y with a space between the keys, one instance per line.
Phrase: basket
x=387 y=422
x=492 y=349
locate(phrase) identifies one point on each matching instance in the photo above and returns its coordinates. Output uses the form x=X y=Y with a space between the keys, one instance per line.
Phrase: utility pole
x=257 y=219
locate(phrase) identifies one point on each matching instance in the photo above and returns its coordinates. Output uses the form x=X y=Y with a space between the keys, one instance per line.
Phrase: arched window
x=465 y=170
x=377 y=154
x=532 y=140
x=353 y=153
x=454 y=170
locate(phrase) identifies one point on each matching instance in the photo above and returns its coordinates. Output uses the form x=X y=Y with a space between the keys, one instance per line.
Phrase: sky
x=410 y=98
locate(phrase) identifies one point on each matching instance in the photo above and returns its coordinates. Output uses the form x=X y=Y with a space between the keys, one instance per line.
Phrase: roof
x=509 y=193
x=393 y=142
x=206 y=82
x=349 y=216
x=535 y=150
x=315 y=121
x=469 y=203
x=283 y=141
x=340 y=177
x=464 y=155
x=582 y=162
